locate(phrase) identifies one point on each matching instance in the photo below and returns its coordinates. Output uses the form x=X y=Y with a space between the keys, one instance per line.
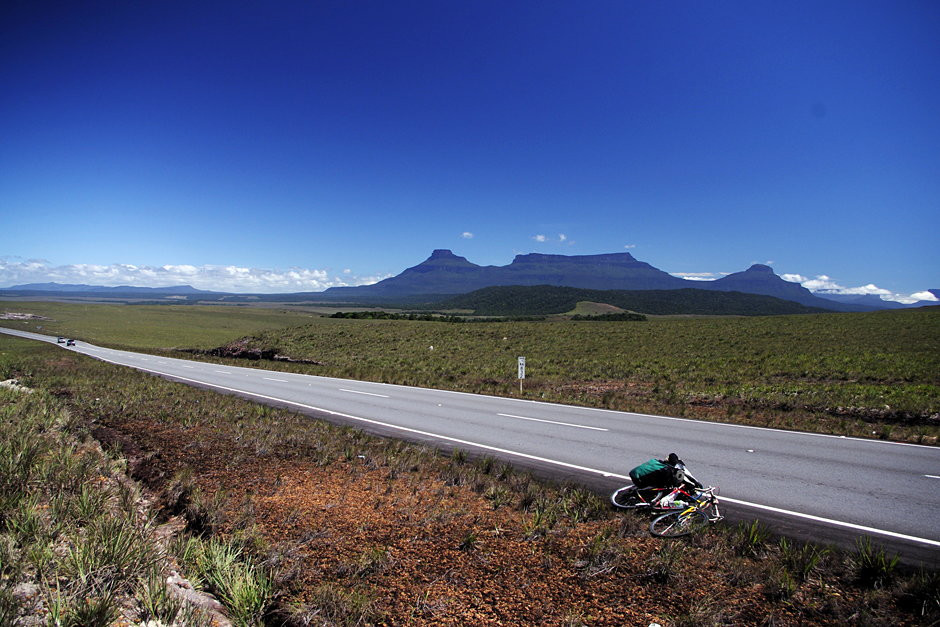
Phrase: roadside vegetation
x=292 y=521
x=81 y=544
x=865 y=374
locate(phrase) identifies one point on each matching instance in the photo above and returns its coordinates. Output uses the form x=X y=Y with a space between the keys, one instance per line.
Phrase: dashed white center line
x=554 y=422
x=222 y=371
x=185 y=366
x=932 y=476
x=366 y=393
x=270 y=379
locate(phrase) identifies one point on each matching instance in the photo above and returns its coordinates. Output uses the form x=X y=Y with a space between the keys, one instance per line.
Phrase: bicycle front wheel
x=679 y=523
x=626 y=498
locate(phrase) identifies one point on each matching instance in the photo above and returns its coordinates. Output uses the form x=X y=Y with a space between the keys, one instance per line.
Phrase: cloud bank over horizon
x=220 y=278
x=823 y=285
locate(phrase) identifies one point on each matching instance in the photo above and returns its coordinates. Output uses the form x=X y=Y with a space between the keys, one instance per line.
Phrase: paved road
x=820 y=487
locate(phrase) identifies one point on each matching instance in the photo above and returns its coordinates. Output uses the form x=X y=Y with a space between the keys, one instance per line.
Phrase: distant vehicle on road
x=70 y=343
x=60 y=340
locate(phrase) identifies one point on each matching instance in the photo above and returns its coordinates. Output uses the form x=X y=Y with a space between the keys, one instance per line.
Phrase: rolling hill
x=550 y=299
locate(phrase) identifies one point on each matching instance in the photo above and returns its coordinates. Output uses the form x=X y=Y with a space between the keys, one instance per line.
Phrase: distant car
x=70 y=343
x=60 y=340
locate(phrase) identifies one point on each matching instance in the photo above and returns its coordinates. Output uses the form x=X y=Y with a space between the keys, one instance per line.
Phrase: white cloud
x=871 y=288
x=695 y=276
x=562 y=237
x=823 y=284
x=208 y=277
x=539 y=238
x=466 y=235
x=629 y=246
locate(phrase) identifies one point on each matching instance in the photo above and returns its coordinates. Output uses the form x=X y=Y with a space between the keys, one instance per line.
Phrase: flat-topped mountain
x=446 y=273
x=609 y=271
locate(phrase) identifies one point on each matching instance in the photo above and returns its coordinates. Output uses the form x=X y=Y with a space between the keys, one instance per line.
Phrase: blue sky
x=296 y=145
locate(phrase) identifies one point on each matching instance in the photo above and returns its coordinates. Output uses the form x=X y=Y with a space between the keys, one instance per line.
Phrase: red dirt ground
x=428 y=553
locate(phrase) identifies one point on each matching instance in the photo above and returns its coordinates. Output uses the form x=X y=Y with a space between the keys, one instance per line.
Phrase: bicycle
x=703 y=511
x=631 y=497
x=649 y=497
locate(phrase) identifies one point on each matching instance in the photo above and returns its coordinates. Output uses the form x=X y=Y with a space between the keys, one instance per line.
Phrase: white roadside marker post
x=521 y=372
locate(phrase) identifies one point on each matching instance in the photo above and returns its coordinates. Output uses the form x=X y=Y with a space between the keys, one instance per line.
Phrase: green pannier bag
x=645 y=471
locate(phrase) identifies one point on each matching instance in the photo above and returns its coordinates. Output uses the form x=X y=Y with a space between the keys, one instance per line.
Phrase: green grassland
x=152 y=326
x=844 y=371
x=851 y=374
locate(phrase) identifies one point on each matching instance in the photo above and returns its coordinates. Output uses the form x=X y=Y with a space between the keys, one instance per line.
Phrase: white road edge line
x=604 y=473
x=366 y=393
x=554 y=422
x=555 y=462
x=830 y=521
x=616 y=412
x=575 y=408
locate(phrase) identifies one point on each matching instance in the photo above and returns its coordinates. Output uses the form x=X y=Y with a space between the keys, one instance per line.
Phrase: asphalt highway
x=819 y=487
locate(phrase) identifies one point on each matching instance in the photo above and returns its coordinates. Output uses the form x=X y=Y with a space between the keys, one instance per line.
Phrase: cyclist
x=658 y=477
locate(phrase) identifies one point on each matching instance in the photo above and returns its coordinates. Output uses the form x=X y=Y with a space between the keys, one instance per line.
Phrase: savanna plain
x=112 y=480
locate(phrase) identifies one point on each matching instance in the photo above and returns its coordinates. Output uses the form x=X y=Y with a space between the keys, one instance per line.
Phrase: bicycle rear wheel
x=626 y=498
x=679 y=523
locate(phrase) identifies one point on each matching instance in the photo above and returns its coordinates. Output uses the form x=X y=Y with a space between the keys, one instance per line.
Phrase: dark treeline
x=427 y=317
x=612 y=317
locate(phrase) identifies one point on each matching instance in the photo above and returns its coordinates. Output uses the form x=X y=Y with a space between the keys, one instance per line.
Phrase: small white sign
x=522 y=367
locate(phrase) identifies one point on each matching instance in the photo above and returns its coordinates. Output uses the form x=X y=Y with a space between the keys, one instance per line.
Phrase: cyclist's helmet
x=674 y=459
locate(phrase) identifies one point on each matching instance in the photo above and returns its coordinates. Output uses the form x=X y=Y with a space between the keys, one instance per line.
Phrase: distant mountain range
x=445 y=275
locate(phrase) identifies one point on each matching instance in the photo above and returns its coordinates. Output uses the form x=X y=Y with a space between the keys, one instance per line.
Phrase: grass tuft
x=158 y=603
x=874 y=568
x=242 y=585
x=750 y=539
x=335 y=605
x=663 y=565
x=801 y=559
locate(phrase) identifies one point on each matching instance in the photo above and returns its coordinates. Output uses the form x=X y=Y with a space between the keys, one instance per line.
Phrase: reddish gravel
x=423 y=551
